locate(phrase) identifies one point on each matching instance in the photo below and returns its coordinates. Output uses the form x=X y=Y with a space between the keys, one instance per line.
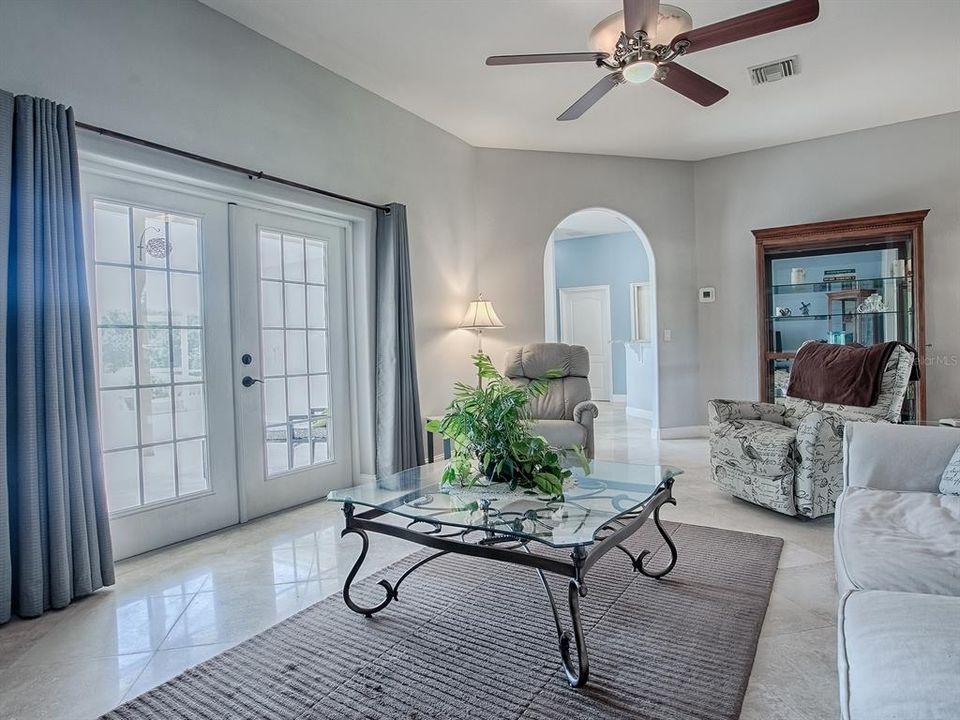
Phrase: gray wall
x=177 y=72
x=909 y=166
x=522 y=196
x=181 y=74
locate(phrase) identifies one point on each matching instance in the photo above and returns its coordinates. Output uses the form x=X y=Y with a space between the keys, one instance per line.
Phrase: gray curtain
x=399 y=435
x=54 y=531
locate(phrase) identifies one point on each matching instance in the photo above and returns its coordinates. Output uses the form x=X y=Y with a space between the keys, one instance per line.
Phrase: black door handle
x=249 y=381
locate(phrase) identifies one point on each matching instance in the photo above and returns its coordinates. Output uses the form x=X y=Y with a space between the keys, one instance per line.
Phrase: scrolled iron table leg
x=638 y=563
x=391 y=593
x=578 y=674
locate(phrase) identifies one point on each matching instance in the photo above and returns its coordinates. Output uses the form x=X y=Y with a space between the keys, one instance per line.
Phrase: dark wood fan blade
x=608 y=83
x=690 y=84
x=641 y=15
x=546 y=58
x=760 y=22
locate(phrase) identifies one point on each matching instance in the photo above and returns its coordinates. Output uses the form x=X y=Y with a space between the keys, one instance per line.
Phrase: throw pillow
x=950 y=480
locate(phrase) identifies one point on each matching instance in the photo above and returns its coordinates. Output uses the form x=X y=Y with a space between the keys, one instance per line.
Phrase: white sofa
x=897 y=553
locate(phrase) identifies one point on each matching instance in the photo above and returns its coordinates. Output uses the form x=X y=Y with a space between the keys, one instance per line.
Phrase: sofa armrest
x=721 y=411
x=885 y=456
x=584 y=413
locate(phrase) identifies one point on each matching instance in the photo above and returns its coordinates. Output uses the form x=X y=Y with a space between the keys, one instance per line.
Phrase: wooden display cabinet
x=884 y=252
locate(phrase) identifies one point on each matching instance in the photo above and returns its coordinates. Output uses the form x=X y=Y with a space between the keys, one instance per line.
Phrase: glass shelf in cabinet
x=821 y=316
x=833 y=285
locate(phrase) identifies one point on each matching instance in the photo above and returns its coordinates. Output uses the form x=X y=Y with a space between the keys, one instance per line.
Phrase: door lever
x=249 y=381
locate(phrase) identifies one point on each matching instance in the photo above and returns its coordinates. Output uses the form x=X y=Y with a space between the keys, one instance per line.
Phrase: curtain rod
x=252 y=174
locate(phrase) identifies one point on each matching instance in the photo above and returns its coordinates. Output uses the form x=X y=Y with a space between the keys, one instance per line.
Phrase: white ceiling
x=588 y=223
x=863 y=63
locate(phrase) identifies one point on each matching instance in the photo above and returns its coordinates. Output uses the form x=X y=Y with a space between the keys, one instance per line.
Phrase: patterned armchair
x=789 y=457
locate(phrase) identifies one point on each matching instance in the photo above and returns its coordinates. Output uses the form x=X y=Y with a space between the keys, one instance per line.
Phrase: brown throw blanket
x=842 y=374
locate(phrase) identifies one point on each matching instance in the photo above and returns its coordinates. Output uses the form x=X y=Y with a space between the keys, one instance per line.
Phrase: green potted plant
x=491 y=438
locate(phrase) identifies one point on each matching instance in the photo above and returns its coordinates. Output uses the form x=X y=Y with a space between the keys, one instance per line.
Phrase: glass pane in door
x=150 y=329
x=293 y=342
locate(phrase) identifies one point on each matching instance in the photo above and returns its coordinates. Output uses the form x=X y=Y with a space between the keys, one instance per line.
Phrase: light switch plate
x=708 y=294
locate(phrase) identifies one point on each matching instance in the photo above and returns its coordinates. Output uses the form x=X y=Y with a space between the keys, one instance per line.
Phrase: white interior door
x=585 y=320
x=160 y=300
x=291 y=372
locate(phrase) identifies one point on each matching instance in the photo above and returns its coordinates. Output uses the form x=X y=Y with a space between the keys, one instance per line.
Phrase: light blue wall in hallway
x=615 y=260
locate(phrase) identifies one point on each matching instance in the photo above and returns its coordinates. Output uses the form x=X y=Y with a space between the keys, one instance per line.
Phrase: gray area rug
x=473 y=638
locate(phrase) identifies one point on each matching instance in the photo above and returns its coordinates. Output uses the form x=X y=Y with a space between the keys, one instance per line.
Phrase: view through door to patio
x=295 y=422
x=160 y=297
x=179 y=348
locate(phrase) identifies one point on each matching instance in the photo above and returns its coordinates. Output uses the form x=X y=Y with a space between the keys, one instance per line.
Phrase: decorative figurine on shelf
x=784 y=312
x=804 y=309
x=798 y=276
x=873 y=304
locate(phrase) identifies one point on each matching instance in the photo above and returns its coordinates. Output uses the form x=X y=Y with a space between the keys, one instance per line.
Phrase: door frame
x=121 y=161
x=604 y=291
x=551 y=315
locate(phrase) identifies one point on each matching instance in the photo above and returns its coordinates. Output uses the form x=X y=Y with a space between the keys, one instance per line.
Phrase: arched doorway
x=599 y=279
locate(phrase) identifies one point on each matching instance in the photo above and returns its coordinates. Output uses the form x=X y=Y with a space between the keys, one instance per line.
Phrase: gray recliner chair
x=564 y=415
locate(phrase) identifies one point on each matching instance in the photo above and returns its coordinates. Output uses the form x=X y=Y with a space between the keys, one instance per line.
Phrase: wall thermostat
x=708 y=294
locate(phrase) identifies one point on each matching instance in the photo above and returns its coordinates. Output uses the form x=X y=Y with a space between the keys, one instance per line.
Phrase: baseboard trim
x=618 y=398
x=640 y=413
x=683 y=432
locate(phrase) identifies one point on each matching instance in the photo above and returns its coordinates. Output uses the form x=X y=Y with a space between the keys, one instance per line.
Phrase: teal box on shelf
x=839 y=337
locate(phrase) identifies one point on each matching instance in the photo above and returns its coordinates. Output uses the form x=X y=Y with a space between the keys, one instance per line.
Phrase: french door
x=222 y=358
x=291 y=370
x=160 y=297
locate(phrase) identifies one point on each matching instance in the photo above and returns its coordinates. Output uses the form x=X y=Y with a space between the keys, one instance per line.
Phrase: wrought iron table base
x=515 y=550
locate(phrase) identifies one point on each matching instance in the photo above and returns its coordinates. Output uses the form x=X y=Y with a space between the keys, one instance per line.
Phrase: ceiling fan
x=644 y=41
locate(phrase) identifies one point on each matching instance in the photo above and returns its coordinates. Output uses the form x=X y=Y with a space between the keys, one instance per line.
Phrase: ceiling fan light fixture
x=639 y=71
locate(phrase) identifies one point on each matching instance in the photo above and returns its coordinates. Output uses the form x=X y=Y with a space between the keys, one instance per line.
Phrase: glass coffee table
x=598 y=511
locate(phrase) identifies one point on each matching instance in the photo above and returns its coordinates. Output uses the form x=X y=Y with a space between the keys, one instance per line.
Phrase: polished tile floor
x=176 y=607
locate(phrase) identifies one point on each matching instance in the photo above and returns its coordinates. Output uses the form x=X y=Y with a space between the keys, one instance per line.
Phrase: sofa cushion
x=755 y=446
x=560 y=433
x=898 y=656
x=950 y=480
x=906 y=541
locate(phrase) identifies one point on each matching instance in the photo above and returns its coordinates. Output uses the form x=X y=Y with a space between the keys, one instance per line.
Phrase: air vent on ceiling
x=776 y=70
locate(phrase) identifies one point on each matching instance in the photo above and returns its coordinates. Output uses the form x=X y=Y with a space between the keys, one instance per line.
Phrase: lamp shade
x=481 y=316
